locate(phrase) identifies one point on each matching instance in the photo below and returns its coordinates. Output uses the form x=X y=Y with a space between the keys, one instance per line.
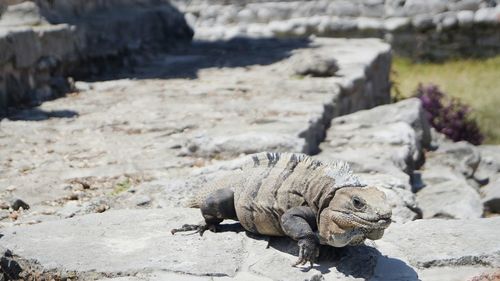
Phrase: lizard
x=294 y=195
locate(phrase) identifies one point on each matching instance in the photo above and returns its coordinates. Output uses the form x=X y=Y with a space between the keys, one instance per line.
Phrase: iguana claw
x=199 y=228
x=308 y=252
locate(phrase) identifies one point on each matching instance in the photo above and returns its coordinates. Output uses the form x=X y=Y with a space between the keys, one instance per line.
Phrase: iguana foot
x=198 y=228
x=308 y=252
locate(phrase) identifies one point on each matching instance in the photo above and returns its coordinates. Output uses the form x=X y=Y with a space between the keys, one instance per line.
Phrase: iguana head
x=353 y=214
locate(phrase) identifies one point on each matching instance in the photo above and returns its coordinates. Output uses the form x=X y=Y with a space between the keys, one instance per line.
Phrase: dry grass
x=475 y=82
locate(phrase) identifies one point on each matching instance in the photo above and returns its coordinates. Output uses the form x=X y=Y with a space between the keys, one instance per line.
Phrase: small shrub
x=122 y=186
x=448 y=115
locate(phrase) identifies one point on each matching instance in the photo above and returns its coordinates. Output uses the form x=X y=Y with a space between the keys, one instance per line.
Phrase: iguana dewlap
x=286 y=194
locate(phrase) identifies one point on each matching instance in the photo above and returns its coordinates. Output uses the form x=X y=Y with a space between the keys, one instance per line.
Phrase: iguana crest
x=339 y=171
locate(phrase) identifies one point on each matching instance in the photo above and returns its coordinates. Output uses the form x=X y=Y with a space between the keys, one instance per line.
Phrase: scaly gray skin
x=286 y=194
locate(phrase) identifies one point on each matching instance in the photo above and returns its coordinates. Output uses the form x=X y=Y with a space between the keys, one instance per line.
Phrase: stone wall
x=44 y=42
x=430 y=29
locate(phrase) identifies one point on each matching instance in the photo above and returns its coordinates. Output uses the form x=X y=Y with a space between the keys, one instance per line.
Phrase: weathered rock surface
x=491 y=195
x=421 y=29
x=317 y=65
x=101 y=145
x=383 y=150
x=450 y=183
x=397 y=132
x=462 y=159
x=385 y=143
x=137 y=243
x=389 y=148
x=100 y=242
x=490 y=162
x=44 y=42
x=441 y=249
x=488 y=175
x=450 y=199
x=149 y=142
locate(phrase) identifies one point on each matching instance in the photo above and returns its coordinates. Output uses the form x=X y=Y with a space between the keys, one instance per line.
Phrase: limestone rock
x=227 y=111
x=415 y=7
x=460 y=158
x=416 y=28
x=26 y=13
x=27 y=49
x=422 y=22
x=450 y=199
x=409 y=111
x=464 y=5
x=374 y=148
x=4 y=214
x=7 y=52
x=490 y=162
x=69 y=32
x=138 y=241
x=116 y=244
x=445 y=20
x=70 y=209
x=386 y=139
x=396 y=23
x=438 y=243
x=491 y=196
x=344 y=8
x=486 y=16
x=465 y=18
x=315 y=65
x=230 y=146
x=100 y=242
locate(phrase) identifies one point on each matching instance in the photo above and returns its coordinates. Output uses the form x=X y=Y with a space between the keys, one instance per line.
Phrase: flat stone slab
x=450 y=199
x=138 y=242
x=126 y=242
x=437 y=242
x=136 y=245
x=385 y=139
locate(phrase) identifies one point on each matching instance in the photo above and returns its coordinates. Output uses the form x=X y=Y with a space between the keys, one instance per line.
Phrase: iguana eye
x=357 y=202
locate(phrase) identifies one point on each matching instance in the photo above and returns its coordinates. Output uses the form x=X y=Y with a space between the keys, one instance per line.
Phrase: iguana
x=287 y=194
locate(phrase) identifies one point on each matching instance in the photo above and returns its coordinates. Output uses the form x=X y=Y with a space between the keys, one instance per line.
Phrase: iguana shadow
x=357 y=261
x=230 y=227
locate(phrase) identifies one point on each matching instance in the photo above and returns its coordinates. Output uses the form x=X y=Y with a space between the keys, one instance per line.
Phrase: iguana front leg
x=218 y=206
x=299 y=223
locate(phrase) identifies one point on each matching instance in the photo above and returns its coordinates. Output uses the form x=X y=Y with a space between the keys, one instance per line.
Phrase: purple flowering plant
x=448 y=115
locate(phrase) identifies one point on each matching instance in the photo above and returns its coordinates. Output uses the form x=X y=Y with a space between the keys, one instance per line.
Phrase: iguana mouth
x=381 y=222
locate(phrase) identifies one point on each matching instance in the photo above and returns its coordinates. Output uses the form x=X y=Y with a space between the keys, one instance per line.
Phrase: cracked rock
x=450 y=199
x=315 y=65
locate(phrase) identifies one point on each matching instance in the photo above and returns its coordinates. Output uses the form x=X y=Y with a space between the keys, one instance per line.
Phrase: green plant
x=121 y=186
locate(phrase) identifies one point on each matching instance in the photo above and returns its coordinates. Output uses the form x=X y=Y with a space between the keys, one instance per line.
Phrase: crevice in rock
x=462 y=261
x=355 y=92
x=316 y=133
